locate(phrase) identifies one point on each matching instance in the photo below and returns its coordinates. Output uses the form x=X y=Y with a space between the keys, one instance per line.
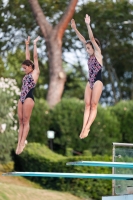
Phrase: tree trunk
x=56 y=72
x=53 y=38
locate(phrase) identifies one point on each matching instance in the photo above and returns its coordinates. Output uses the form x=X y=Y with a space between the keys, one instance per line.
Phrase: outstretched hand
x=87 y=19
x=28 y=40
x=73 y=25
x=35 y=41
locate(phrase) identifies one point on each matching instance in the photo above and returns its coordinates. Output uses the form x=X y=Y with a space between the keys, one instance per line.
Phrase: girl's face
x=27 y=69
x=89 y=49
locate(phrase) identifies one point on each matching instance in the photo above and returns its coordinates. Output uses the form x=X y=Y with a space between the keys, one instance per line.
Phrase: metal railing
x=113 y=159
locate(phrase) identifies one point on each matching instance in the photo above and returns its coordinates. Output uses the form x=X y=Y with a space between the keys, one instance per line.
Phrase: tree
x=53 y=37
x=111 y=26
x=53 y=34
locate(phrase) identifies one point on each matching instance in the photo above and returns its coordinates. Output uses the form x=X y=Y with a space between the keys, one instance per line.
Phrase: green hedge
x=38 y=158
x=112 y=124
x=124 y=113
x=40 y=122
x=67 y=119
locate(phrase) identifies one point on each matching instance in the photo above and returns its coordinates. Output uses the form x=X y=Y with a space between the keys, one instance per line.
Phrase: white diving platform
x=121 y=197
x=102 y=164
x=72 y=175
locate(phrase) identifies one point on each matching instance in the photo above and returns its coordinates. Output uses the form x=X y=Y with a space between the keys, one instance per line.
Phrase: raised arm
x=81 y=38
x=36 y=56
x=27 y=52
x=91 y=36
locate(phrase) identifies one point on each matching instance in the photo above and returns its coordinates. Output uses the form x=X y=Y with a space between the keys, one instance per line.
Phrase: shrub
x=66 y=121
x=8 y=96
x=124 y=113
x=104 y=131
x=7 y=167
x=39 y=124
x=7 y=142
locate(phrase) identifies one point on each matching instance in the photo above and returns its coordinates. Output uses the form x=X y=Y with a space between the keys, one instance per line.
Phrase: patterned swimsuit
x=27 y=87
x=94 y=71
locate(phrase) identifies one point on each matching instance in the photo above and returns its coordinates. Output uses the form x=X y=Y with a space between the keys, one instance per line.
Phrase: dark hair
x=97 y=41
x=28 y=63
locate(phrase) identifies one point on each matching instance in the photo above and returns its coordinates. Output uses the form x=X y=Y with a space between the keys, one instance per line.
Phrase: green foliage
x=39 y=158
x=104 y=131
x=7 y=112
x=5 y=101
x=1 y=67
x=124 y=113
x=66 y=121
x=7 y=142
x=36 y=149
x=7 y=167
x=69 y=152
x=112 y=124
x=13 y=68
x=40 y=122
x=87 y=153
x=112 y=27
x=76 y=82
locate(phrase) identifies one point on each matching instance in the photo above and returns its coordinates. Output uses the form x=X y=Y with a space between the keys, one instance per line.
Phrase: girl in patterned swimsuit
x=26 y=102
x=94 y=87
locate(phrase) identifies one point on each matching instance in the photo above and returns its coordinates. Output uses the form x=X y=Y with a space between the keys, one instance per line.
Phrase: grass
x=19 y=181
x=19 y=188
x=13 y=192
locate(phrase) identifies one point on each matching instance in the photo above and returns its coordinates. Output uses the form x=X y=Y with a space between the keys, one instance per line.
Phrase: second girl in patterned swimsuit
x=26 y=102
x=94 y=87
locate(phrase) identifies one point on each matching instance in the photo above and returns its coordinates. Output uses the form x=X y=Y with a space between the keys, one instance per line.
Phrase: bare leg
x=96 y=93
x=87 y=99
x=27 y=110
x=20 y=117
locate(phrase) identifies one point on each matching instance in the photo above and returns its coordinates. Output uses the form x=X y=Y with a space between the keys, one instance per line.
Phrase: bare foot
x=21 y=147
x=17 y=149
x=84 y=134
x=81 y=132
